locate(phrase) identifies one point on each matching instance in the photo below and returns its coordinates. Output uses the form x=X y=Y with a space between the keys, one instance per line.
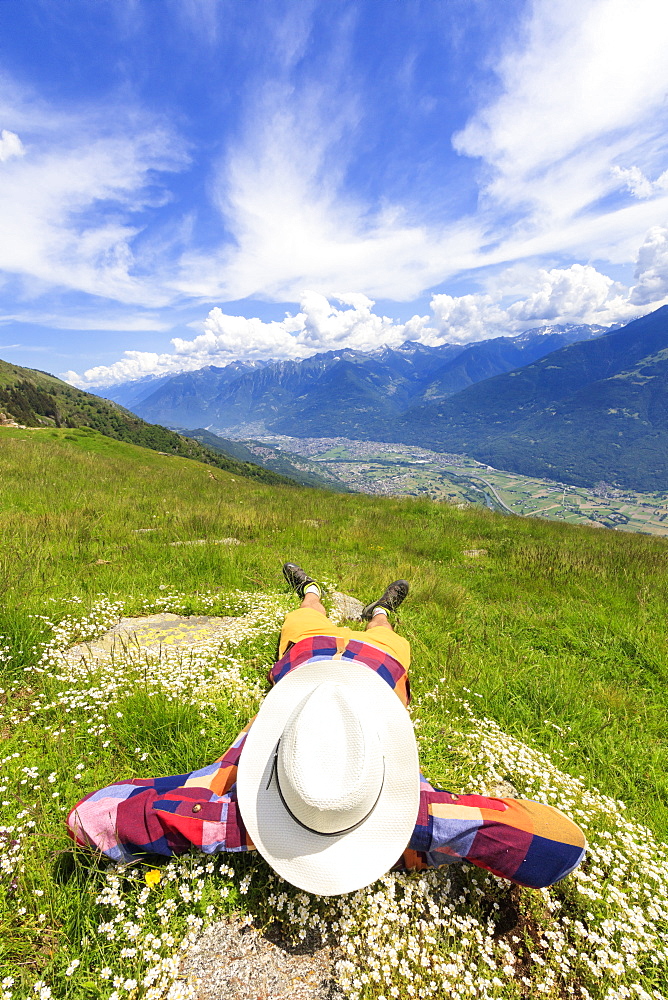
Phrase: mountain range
x=345 y=392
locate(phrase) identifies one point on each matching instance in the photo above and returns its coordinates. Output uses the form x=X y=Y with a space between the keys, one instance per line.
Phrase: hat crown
x=330 y=764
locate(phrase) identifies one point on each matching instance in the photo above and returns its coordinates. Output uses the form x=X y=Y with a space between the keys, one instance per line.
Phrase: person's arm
x=165 y=815
x=532 y=844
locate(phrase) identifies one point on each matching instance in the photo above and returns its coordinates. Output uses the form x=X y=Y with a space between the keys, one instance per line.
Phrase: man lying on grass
x=325 y=782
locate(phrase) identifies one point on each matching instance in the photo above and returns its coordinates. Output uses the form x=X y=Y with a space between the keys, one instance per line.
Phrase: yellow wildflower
x=153 y=877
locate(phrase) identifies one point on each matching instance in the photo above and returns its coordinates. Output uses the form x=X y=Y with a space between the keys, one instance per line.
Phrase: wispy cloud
x=98 y=320
x=283 y=197
x=579 y=114
x=76 y=198
x=582 y=100
x=22 y=347
x=569 y=153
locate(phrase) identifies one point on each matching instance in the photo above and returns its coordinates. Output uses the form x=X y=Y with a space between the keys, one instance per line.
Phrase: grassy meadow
x=540 y=658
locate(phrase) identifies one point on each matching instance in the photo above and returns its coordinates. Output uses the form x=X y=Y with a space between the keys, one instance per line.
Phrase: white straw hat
x=328 y=782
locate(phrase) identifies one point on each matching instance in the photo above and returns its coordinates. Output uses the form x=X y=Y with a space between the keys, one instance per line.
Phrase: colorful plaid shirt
x=527 y=842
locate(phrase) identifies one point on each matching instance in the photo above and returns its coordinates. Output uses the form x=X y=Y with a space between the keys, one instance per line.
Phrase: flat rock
x=153 y=632
x=232 y=961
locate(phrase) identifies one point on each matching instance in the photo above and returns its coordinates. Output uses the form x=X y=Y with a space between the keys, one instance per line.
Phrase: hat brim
x=330 y=865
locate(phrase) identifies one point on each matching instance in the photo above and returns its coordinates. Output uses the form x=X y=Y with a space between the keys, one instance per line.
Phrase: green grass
x=559 y=632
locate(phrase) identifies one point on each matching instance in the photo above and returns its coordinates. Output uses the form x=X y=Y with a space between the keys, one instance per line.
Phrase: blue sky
x=186 y=182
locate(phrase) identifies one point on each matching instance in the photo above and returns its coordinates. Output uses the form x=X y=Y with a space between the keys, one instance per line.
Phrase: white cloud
x=282 y=194
x=133 y=365
x=583 y=71
x=582 y=91
x=99 y=320
x=569 y=146
x=577 y=294
x=581 y=97
x=652 y=269
x=461 y=319
x=10 y=145
x=639 y=185
x=227 y=337
x=73 y=200
x=318 y=326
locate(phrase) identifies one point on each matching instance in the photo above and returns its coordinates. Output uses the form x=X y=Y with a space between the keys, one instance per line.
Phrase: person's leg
x=312 y=600
x=388 y=601
x=306 y=620
x=379 y=619
x=379 y=629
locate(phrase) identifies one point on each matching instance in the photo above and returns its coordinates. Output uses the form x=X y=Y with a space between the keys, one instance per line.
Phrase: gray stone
x=349 y=607
x=152 y=633
x=502 y=790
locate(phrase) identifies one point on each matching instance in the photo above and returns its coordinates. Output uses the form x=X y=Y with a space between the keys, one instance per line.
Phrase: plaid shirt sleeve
x=529 y=843
x=165 y=815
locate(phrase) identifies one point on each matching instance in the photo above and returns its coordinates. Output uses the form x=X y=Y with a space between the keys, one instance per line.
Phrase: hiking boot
x=390 y=600
x=297 y=578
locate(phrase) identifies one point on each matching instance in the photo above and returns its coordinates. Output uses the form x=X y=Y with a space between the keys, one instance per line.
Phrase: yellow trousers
x=305 y=623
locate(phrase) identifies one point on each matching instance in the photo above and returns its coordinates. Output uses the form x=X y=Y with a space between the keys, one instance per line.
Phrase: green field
x=540 y=658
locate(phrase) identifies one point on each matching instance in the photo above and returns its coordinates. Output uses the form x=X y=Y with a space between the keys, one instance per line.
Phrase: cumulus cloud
x=577 y=294
x=463 y=318
x=10 y=145
x=652 y=269
x=133 y=365
x=639 y=185
x=318 y=326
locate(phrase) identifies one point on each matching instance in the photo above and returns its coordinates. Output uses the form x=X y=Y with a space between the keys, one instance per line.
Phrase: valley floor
x=389 y=469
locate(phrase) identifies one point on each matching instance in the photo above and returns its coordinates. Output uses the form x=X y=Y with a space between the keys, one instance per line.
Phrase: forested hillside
x=34 y=398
